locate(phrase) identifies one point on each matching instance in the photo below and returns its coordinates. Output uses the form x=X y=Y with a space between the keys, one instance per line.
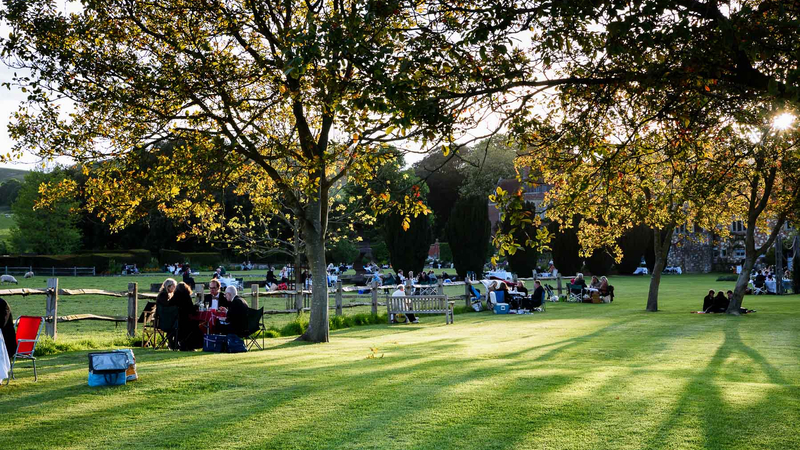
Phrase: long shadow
x=245 y=405
x=718 y=432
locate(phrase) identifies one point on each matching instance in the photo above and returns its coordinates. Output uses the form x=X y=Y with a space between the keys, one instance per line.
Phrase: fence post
x=254 y=294
x=6 y=270
x=374 y=293
x=439 y=286
x=558 y=281
x=93 y=274
x=133 y=307
x=51 y=308
x=53 y=271
x=338 y=298
x=468 y=293
x=298 y=298
x=75 y=271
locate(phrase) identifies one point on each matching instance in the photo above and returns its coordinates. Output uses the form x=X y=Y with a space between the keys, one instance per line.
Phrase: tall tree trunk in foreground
x=315 y=251
x=662 y=239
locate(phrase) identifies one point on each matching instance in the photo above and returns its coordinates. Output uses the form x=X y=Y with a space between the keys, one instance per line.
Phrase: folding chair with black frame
x=575 y=293
x=148 y=320
x=166 y=327
x=255 y=326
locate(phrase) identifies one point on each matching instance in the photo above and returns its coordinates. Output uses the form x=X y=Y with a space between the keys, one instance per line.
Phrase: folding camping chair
x=476 y=298
x=255 y=324
x=28 y=330
x=575 y=293
x=759 y=290
x=148 y=321
x=166 y=327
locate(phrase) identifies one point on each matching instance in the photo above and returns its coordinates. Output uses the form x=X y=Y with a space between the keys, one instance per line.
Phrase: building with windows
x=693 y=250
x=699 y=251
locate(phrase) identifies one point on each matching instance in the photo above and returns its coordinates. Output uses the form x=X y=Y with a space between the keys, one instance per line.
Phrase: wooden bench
x=420 y=304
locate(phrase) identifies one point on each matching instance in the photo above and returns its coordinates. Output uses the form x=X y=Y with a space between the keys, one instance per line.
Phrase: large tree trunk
x=315 y=251
x=661 y=244
x=751 y=255
x=741 y=284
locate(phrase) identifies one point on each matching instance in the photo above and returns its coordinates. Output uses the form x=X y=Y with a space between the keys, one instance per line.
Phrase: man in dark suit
x=237 y=312
x=215 y=298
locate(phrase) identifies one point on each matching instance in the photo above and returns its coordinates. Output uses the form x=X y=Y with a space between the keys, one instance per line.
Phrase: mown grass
x=577 y=377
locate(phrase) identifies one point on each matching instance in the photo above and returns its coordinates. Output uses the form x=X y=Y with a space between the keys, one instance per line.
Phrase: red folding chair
x=28 y=330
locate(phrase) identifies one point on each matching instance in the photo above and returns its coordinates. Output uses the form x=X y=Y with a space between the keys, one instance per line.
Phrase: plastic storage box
x=501 y=308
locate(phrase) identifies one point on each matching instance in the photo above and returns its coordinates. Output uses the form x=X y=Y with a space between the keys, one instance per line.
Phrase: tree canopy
x=287 y=98
x=46 y=228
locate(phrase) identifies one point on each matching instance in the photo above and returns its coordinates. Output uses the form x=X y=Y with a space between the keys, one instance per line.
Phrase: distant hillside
x=7 y=174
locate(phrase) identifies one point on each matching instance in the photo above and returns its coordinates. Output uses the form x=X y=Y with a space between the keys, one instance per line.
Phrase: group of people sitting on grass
x=515 y=294
x=719 y=303
x=190 y=332
x=598 y=290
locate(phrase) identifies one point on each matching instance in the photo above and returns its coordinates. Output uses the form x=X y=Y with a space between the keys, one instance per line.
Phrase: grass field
x=6 y=223
x=7 y=173
x=577 y=377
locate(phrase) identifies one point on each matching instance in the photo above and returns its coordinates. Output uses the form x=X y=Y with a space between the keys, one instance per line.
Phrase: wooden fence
x=52 y=271
x=296 y=301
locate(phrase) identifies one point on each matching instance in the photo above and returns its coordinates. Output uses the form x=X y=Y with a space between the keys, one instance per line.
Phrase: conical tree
x=565 y=247
x=634 y=243
x=408 y=246
x=524 y=260
x=468 y=232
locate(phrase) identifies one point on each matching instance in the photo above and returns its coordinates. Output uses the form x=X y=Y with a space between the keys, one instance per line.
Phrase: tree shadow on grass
x=396 y=401
x=703 y=397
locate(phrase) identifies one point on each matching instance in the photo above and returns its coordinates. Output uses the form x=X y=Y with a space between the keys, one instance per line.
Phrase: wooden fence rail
x=297 y=301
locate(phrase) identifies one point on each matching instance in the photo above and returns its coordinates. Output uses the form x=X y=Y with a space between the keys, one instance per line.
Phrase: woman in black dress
x=7 y=325
x=189 y=335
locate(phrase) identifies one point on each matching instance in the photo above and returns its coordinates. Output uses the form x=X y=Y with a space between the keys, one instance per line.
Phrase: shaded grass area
x=577 y=377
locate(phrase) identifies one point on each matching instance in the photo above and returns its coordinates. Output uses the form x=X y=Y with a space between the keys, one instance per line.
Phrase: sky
x=9 y=102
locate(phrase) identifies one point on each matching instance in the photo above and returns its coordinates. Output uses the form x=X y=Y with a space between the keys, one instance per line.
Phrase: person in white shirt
x=401 y=292
x=215 y=299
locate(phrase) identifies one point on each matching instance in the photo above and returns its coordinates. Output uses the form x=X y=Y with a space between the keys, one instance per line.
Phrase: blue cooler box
x=215 y=343
x=501 y=308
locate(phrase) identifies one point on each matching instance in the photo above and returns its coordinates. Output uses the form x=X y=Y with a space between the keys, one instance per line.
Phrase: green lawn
x=6 y=223
x=577 y=377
